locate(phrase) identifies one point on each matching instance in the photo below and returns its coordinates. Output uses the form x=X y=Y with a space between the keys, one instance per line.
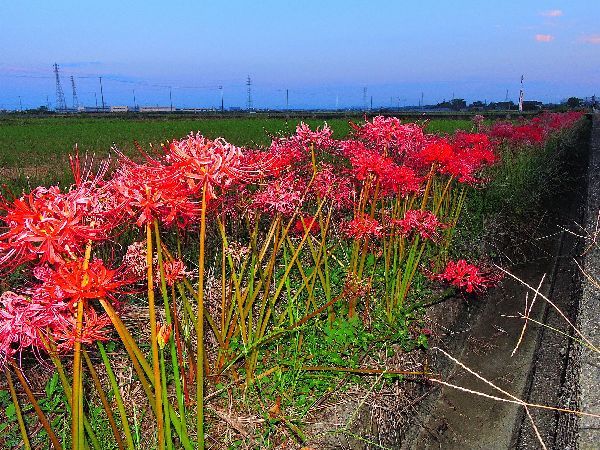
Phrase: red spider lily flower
x=520 y=134
x=47 y=225
x=468 y=277
x=471 y=153
x=394 y=179
x=175 y=271
x=285 y=155
x=559 y=121
x=425 y=223
x=331 y=186
x=437 y=151
x=24 y=322
x=304 y=223
x=400 y=180
x=362 y=227
x=153 y=191
x=94 y=329
x=218 y=164
x=282 y=195
x=71 y=282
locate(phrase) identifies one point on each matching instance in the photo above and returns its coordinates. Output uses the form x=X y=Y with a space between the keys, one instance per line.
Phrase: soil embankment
x=545 y=369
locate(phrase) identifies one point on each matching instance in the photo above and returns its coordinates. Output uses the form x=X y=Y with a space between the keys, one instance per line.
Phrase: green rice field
x=36 y=149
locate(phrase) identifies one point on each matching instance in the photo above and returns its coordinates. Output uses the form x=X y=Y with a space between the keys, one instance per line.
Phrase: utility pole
x=102 y=94
x=134 y=103
x=422 y=104
x=365 y=98
x=287 y=99
x=96 y=98
x=222 y=102
x=521 y=95
x=20 y=104
x=371 y=104
x=171 y=98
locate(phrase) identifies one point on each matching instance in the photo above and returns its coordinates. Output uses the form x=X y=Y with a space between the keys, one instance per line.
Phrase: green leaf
x=51 y=385
x=11 y=412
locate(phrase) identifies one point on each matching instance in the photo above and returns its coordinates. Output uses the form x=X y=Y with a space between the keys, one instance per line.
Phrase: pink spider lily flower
x=401 y=141
x=217 y=164
x=283 y=195
x=320 y=138
x=24 y=323
x=335 y=187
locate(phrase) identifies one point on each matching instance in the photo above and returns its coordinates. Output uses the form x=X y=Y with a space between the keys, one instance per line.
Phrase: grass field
x=38 y=148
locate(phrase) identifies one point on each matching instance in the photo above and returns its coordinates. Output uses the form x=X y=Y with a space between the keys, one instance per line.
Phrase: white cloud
x=552 y=13
x=544 y=37
x=592 y=39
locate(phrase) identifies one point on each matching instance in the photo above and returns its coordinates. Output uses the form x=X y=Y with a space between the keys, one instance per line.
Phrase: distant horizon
x=121 y=92
x=323 y=54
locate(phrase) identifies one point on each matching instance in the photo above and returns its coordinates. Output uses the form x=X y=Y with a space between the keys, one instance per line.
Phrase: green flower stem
x=13 y=394
x=171 y=343
x=118 y=398
x=200 y=325
x=104 y=400
x=41 y=416
x=154 y=343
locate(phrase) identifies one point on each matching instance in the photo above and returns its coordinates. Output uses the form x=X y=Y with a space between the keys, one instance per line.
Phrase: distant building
x=147 y=109
x=117 y=109
x=94 y=109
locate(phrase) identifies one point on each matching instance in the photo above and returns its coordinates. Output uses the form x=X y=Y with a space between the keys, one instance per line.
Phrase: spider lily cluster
x=269 y=227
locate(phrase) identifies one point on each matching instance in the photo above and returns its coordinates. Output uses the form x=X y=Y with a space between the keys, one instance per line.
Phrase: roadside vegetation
x=203 y=293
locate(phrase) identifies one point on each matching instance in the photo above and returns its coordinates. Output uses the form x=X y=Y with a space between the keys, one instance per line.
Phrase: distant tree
x=458 y=103
x=574 y=102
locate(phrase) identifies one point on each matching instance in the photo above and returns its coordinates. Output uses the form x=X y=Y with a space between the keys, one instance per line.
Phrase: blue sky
x=323 y=52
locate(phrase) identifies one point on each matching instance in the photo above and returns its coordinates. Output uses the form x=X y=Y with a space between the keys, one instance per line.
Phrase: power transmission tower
x=61 y=104
x=75 y=99
x=249 y=102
